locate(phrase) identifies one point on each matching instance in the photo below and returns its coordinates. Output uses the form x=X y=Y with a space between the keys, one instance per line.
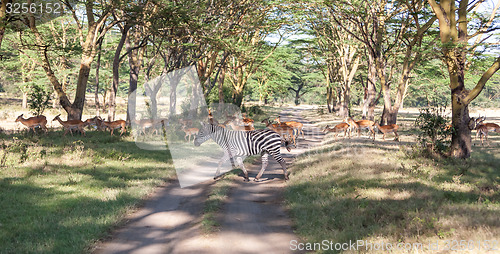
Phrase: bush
x=38 y=99
x=253 y=110
x=434 y=132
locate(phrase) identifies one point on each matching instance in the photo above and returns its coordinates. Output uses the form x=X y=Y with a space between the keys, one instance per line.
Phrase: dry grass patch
x=378 y=192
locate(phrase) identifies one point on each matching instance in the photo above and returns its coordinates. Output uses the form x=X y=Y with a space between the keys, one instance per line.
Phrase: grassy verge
x=61 y=194
x=215 y=201
x=380 y=192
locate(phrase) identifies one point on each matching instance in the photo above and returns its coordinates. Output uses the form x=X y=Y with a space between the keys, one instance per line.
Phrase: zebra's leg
x=265 y=161
x=224 y=158
x=231 y=158
x=283 y=166
x=239 y=160
x=282 y=162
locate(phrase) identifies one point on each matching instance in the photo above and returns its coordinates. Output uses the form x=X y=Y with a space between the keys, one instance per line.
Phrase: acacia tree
x=413 y=25
x=245 y=63
x=385 y=33
x=257 y=20
x=273 y=77
x=340 y=52
x=304 y=72
x=367 y=23
x=89 y=34
x=455 y=32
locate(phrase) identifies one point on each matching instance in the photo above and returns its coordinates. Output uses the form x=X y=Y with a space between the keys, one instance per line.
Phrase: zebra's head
x=204 y=134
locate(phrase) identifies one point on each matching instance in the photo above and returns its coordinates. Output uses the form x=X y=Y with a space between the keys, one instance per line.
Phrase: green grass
x=62 y=194
x=380 y=192
x=215 y=201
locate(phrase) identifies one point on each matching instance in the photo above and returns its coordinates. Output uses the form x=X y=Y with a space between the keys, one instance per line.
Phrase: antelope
x=211 y=118
x=115 y=125
x=190 y=132
x=388 y=129
x=492 y=127
x=484 y=128
x=247 y=121
x=185 y=122
x=482 y=132
x=96 y=121
x=337 y=128
x=295 y=125
x=33 y=122
x=361 y=124
x=144 y=124
x=238 y=127
x=282 y=130
x=70 y=125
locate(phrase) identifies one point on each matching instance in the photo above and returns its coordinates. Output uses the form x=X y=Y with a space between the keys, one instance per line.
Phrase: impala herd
x=72 y=125
x=289 y=131
x=348 y=125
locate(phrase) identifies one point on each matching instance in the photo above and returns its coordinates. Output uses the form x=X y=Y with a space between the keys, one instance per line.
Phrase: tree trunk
x=25 y=100
x=454 y=37
x=116 y=74
x=297 y=98
x=132 y=88
x=329 y=99
x=63 y=98
x=3 y=18
x=135 y=57
x=76 y=109
x=389 y=116
x=297 y=93
x=344 y=101
x=221 y=85
x=54 y=99
x=370 y=91
x=96 y=93
x=88 y=43
x=461 y=144
x=238 y=97
x=349 y=66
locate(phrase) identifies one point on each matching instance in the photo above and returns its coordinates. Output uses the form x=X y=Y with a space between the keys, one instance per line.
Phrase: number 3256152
x=18 y=8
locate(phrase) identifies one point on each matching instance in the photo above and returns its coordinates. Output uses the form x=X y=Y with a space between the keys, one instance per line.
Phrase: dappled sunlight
x=356 y=189
x=68 y=191
x=382 y=193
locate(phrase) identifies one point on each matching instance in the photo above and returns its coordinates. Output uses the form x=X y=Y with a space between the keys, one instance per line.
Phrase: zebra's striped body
x=237 y=144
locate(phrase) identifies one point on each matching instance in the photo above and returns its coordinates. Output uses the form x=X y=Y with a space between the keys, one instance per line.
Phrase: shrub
x=253 y=110
x=38 y=99
x=434 y=133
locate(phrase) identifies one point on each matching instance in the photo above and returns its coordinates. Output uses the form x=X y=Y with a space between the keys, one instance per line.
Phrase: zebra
x=243 y=143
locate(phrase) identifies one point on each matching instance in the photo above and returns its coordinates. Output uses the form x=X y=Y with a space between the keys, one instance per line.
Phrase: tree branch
x=482 y=82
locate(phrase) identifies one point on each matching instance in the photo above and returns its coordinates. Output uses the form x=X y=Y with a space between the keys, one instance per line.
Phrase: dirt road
x=252 y=221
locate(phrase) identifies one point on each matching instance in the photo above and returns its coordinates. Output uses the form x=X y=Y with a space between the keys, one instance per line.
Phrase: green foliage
x=38 y=99
x=288 y=73
x=434 y=132
x=253 y=110
x=490 y=96
x=429 y=86
x=272 y=78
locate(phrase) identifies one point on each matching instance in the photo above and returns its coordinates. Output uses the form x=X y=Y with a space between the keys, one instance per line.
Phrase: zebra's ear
x=202 y=124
